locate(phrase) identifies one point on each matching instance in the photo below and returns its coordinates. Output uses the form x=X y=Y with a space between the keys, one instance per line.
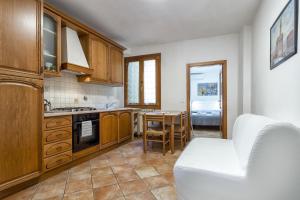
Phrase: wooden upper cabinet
x=51 y=43
x=125 y=125
x=116 y=64
x=20 y=40
x=21 y=102
x=108 y=129
x=99 y=59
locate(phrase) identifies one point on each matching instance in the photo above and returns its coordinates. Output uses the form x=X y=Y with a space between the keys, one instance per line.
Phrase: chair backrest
x=154 y=119
x=184 y=119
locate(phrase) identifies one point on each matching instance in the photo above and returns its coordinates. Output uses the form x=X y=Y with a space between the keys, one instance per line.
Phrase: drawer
x=58 y=160
x=57 y=122
x=57 y=148
x=57 y=135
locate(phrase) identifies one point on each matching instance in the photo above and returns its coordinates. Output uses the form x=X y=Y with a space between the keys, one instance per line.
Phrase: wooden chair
x=180 y=130
x=155 y=134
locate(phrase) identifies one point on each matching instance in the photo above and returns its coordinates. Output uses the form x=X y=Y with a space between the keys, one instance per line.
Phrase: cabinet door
x=20 y=129
x=20 y=39
x=99 y=59
x=52 y=43
x=124 y=126
x=116 y=63
x=108 y=129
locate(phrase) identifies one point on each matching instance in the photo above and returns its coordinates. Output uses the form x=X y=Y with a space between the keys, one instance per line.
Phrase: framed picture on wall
x=284 y=35
x=207 y=89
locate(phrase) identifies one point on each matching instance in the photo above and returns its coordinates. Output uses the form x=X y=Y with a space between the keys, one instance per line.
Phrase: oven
x=85 y=131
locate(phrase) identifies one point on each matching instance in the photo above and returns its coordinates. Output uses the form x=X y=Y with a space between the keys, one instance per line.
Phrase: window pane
x=133 y=82
x=149 y=82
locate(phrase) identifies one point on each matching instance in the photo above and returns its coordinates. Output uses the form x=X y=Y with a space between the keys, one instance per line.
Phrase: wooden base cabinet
x=108 y=129
x=115 y=127
x=21 y=103
x=125 y=127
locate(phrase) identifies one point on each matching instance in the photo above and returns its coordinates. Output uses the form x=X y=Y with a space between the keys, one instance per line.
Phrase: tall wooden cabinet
x=20 y=129
x=20 y=43
x=21 y=91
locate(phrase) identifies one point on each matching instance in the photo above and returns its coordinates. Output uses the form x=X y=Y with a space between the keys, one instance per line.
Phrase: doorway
x=207 y=99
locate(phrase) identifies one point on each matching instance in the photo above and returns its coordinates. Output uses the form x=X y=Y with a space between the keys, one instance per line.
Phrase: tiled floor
x=207 y=133
x=125 y=173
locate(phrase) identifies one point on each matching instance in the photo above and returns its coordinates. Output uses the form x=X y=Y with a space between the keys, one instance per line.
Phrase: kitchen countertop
x=55 y=114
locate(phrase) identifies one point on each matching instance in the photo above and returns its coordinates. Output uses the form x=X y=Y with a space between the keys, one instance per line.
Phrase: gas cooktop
x=73 y=109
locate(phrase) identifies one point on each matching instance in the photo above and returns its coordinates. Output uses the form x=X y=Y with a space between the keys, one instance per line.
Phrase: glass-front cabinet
x=51 y=43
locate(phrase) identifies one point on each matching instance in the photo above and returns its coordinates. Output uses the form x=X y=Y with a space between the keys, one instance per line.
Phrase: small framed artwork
x=207 y=89
x=284 y=35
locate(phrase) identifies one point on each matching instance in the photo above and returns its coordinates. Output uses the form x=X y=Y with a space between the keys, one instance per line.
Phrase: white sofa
x=261 y=162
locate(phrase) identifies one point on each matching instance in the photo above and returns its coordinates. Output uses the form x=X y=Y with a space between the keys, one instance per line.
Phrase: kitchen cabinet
x=108 y=129
x=21 y=103
x=99 y=60
x=125 y=127
x=57 y=142
x=51 y=43
x=116 y=64
x=106 y=61
x=20 y=46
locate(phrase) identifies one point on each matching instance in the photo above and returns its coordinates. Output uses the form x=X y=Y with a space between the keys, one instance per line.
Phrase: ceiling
x=145 y=22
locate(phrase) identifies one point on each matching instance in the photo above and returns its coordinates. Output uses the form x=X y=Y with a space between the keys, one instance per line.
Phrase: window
x=142 y=81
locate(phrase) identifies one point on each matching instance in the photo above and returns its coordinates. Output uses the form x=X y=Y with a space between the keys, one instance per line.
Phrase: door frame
x=224 y=92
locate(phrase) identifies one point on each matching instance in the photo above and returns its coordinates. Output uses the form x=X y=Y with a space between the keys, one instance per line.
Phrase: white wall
x=176 y=55
x=275 y=93
x=245 y=70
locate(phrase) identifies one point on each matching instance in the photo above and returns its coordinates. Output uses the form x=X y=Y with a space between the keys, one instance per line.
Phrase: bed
x=206 y=118
x=206 y=113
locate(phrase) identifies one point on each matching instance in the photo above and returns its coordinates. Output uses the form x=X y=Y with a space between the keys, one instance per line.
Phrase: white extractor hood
x=72 y=52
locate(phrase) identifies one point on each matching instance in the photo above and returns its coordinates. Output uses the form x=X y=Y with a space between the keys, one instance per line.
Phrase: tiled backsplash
x=66 y=91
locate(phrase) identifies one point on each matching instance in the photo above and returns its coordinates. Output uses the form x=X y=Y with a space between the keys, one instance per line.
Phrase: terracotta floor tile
x=96 y=163
x=61 y=177
x=83 y=168
x=119 y=198
x=117 y=161
x=156 y=181
x=132 y=187
x=165 y=193
x=136 y=161
x=100 y=181
x=24 y=194
x=82 y=195
x=128 y=176
x=107 y=192
x=155 y=162
x=164 y=169
x=122 y=168
x=78 y=183
x=146 y=171
x=47 y=191
x=101 y=171
x=141 y=196
x=170 y=178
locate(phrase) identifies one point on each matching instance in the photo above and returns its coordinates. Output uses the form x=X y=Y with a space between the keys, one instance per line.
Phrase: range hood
x=73 y=57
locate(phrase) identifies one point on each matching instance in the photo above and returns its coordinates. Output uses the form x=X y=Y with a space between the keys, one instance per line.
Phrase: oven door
x=82 y=139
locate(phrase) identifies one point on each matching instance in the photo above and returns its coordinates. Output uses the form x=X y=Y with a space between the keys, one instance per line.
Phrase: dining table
x=171 y=117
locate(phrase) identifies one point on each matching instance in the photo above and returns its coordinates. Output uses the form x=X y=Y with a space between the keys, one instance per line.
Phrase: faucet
x=47 y=105
x=109 y=105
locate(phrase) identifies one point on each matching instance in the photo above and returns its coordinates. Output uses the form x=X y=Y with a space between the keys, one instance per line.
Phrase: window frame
x=141 y=59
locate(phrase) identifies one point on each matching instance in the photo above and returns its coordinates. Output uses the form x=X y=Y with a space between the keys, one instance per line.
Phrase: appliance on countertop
x=85 y=131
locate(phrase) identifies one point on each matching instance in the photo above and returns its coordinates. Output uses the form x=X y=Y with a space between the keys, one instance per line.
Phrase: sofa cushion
x=245 y=131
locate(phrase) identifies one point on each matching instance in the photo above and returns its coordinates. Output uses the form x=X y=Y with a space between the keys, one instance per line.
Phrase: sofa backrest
x=245 y=131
